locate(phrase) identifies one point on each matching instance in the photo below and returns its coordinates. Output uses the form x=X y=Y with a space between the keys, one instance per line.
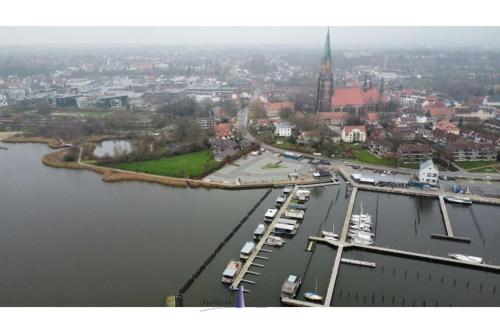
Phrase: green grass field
x=489 y=169
x=272 y=166
x=187 y=165
x=475 y=164
x=365 y=157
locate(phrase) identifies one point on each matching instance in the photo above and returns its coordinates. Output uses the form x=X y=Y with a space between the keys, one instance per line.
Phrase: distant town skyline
x=342 y=37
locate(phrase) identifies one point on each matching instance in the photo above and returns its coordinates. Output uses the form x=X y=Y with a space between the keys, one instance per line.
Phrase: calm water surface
x=69 y=239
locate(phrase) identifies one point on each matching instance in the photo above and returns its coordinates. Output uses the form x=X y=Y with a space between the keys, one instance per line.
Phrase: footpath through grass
x=476 y=164
x=187 y=165
x=364 y=156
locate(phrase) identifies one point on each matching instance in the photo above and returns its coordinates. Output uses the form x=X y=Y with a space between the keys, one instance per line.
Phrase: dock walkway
x=409 y=254
x=444 y=211
x=340 y=248
x=261 y=243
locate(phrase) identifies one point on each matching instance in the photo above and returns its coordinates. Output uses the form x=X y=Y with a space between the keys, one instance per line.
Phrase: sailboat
x=331 y=235
x=313 y=296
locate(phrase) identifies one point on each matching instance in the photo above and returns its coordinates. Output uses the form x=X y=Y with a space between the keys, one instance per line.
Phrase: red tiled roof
x=223 y=130
x=347 y=96
x=349 y=129
x=354 y=96
x=447 y=126
x=276 y=106
x=333 y=115
x=371 y=95
x=439 y=111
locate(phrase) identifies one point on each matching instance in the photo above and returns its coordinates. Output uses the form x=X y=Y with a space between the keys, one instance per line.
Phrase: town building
x=401 y=133
x=493 y=101
x=438 y=112
x=469 y=151
x=284 y=130
x=354 y=134
x=382 y=148
x=223 y=131
x=308 y=137
x=273 y=109
x=3 y=101
x=206 y=123
x=428 y=173
x=447 y=126
x=414 y=153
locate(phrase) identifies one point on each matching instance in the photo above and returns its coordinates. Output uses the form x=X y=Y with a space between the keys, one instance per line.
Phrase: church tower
x=325 y=80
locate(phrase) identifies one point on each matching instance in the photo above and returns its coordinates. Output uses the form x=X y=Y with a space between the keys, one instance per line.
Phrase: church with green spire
x=325 y=80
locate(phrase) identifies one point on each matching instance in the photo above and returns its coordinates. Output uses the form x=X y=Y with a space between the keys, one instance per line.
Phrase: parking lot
x=266 y=167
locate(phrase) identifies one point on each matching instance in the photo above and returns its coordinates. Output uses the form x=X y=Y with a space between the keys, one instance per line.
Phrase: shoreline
x=56 y=160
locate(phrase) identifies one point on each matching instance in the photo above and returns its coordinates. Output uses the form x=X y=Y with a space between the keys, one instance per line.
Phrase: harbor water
x=69 y=239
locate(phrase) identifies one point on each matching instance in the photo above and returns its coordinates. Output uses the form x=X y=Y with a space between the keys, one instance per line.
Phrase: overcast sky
x=342 y=37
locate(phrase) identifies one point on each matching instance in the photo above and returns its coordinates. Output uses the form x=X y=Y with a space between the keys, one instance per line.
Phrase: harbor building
x=428 y=173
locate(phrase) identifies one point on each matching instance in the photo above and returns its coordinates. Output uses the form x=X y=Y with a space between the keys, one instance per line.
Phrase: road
x=242 y=129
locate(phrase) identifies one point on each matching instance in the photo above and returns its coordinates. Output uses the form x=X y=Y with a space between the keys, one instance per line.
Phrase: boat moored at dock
x=275 y=241
x=459 y=200
x=285 y=229
x=231 y=271
x=259 y=231
x=293 y=214
x=296 y=205
x=247 y=250
x=270 y=214
x=291 y=286
x=466 y=258
x=280 y=200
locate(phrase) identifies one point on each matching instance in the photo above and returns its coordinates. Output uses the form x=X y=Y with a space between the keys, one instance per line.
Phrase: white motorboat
x=466 y=258
x=459 y=200
x=275 y=241
x=329 y=234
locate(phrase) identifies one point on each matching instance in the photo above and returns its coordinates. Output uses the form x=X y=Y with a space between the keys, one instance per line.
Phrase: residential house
x=354 y=134
x=308 y=137
x=284 y=130
x=223 y=131
x=382 y=148
x=447 y=126
x=402 y=133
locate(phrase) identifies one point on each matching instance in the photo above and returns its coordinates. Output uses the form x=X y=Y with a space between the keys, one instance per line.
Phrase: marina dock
x=444 y=212
x=296 y=302
x=340 y=248
x=358 y=262
x=408 y=254
x=258 y=248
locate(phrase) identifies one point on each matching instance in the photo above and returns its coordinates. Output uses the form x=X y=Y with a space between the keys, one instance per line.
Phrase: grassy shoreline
x=194 y=164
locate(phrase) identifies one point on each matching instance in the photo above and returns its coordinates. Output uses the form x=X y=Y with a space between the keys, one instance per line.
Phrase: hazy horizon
x=341 y=37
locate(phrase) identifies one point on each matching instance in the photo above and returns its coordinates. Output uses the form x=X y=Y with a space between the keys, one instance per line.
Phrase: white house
x=3 y=101
x=284 y=130
x=354 y=134
x=428 y=173
x=492 y=101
